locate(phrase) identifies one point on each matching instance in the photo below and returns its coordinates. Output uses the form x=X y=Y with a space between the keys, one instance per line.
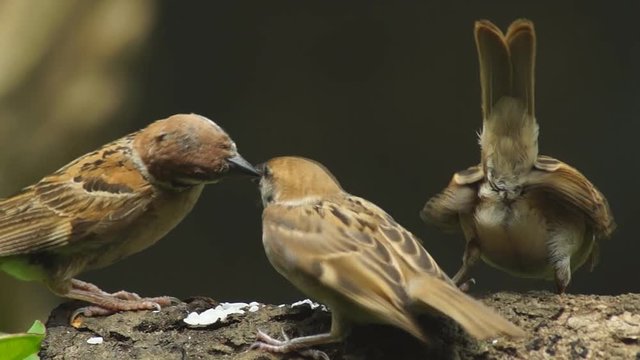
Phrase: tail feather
x=509 y=138
x=495 y=64
x=506 y=63
x=477 y=319
x=521 y=39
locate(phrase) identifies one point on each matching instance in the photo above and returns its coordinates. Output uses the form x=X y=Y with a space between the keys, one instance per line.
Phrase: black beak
x=238 y=165
x=260 y=168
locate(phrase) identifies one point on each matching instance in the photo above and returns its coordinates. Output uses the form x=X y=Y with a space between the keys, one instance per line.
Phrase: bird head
x=290 y=180
x=188 y=149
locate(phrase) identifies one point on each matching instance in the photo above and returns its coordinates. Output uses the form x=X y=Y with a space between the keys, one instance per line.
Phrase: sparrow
x=112 y=203
x=530 y=215
x=351 y=255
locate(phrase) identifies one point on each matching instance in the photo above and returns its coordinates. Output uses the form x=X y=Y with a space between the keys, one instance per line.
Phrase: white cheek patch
x=266 y=191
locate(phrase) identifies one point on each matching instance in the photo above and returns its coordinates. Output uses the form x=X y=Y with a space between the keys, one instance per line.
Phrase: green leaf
x=22 y=346
x=37 y=328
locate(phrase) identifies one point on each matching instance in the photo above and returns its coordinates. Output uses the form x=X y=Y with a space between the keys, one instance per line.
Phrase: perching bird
x=111 y=203
x=527 y=214
x=351 y=255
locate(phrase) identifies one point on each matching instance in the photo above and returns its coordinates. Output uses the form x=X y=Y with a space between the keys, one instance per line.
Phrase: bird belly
x=167 y=212
x=513 y=237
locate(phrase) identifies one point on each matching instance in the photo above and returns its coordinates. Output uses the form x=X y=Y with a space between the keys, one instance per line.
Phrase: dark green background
x=386 y=95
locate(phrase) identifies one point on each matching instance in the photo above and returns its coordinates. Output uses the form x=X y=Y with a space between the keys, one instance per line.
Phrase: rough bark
x=559 y=327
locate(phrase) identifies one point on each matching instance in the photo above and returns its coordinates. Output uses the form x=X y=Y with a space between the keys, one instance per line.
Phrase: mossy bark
x=558 y=327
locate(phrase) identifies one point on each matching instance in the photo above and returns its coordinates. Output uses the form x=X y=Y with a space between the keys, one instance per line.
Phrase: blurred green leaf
x=23 y=346
x=37 y=328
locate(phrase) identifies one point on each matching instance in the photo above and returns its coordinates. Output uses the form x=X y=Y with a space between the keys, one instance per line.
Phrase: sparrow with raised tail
x=111 y=203
x=351 y=255
x=527 y=214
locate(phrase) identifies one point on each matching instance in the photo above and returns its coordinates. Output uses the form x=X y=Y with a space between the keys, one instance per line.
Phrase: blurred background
x=385 y=94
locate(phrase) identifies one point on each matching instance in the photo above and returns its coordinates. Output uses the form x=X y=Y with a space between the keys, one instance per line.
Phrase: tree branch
x=567 y=327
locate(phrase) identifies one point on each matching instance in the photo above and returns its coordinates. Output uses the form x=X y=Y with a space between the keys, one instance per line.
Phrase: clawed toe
x=314 y=354
x=465 y=286
x=269 y=344
x=268 y=340
x=164 y=300
x=161 y=300
x=126 y=295
x=114 y=307
x=285 y=348
x=90 y=311
x=150 y=305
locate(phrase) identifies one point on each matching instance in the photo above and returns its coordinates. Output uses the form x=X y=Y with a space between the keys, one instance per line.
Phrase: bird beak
x=260 y=168
x=238 y=165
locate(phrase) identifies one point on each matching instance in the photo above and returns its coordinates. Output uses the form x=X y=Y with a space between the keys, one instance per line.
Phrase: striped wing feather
x=568 y=185
x=77 y=200
x=354 y=249
x=460 y=196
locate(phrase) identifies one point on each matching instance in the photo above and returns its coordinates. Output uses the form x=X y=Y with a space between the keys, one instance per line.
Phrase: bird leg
x=469 y=259
x=161 y=300
x=594 y=256
x=471 y=253
x=562 y=274
x=104 y=303
x=563 y=242
x=122 y=294
x=466 y=286
x=300 y=345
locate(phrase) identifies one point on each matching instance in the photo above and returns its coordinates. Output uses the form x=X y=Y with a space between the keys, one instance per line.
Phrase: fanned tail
x=507 y=62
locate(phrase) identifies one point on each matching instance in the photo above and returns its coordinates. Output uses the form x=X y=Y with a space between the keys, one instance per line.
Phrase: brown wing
x=460 y=196
x=352 y=248
x=93 y=194
x=570 y=186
